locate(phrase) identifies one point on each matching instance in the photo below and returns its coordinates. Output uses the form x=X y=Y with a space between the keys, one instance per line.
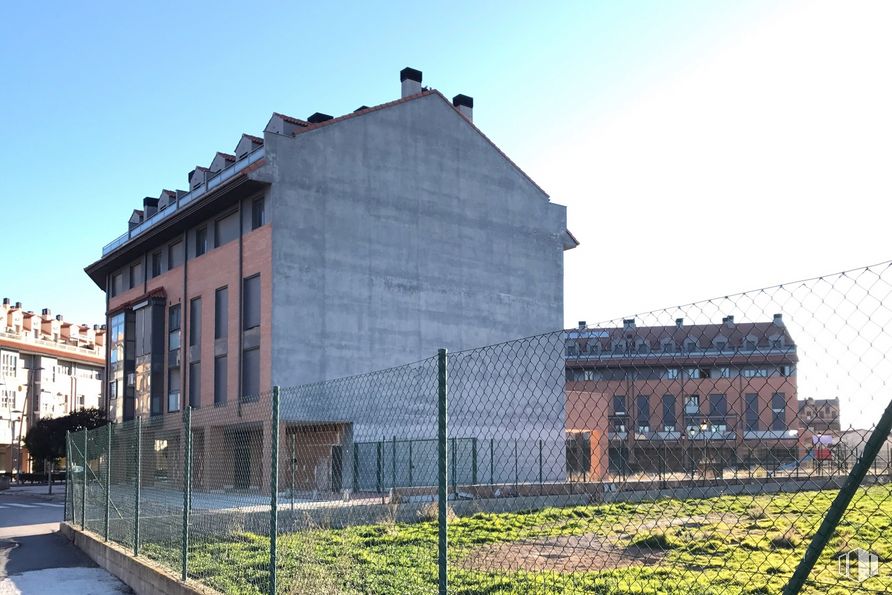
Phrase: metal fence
x=734 y=445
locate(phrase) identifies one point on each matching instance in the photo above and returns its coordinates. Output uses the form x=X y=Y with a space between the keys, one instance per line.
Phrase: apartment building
x=49 y=367
x=675 y=397
x=819 y=416
x=326 y=247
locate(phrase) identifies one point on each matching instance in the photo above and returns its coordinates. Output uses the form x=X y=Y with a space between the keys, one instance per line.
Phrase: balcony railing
x=216 y=180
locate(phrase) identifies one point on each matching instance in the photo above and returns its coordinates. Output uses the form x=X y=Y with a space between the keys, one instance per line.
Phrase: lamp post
x=704 y=427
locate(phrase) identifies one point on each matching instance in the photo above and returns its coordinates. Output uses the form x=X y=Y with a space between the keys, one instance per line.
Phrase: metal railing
x=211 y=183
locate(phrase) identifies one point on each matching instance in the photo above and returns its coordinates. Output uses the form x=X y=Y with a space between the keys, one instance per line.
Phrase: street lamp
x=704 y=427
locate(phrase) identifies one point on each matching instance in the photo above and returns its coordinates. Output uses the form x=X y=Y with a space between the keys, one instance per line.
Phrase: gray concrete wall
x=398 y=232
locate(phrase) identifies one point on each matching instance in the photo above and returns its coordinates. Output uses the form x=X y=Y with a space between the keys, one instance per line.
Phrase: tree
x=46 y=439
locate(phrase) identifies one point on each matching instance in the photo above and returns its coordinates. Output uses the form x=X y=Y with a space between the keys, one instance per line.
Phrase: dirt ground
x=576 y=553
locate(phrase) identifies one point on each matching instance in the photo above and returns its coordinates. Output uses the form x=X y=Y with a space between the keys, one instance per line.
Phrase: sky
x=701 y=148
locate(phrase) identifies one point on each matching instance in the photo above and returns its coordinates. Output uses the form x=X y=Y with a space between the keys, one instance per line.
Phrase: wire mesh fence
x=705 y=448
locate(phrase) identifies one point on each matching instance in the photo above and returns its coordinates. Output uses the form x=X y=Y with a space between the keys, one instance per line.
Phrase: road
x=35 y=558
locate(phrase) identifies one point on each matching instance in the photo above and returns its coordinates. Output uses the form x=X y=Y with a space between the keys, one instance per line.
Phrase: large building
x=325 y=248
x=672 y=397
x=49 y=367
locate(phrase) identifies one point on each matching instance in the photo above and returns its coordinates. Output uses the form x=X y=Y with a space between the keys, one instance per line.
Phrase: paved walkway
x=35 y=558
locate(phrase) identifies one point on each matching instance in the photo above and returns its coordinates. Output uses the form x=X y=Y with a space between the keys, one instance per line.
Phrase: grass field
x=724 y=545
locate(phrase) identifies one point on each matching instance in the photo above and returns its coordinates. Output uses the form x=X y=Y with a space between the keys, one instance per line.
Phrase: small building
x=819 y=416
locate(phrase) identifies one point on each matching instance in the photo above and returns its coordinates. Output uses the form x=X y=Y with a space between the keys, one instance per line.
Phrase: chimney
x=46 y=312
x=95 y=327
x=465 y=106
x=411 y=81
x=679 y=322
x=628 y=323
x=59 y=317
x=149 y=206
x=728 y=321
x=582 y=325
x=778 y=320
x=18 y=305
x=318 y=117
x=6 y=302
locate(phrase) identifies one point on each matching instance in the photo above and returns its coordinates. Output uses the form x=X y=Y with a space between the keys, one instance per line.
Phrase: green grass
x=727 y=545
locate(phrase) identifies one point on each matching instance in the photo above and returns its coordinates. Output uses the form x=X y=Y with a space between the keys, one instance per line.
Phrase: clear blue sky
x=103 y=103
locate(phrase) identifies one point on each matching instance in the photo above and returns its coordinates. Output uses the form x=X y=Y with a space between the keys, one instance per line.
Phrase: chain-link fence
x=709 y=448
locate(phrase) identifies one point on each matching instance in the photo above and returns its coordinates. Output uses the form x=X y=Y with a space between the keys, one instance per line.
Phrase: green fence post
x=294 y=467
x=68 y=478
x=540 y=462
x=452 y=462
x=187 y=487
x=378 y=470
x=442 y=473
x=84 y=487
x=411 y=482
x=274 y=493
x=840 y=503
x=108 y=436
x=355 y=467
x=515 y=464
x=474 y=461
x=138 y=482
x=492 y=460
x=393 y=463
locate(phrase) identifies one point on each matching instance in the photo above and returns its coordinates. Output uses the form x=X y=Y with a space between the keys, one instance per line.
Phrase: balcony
x=219 y=178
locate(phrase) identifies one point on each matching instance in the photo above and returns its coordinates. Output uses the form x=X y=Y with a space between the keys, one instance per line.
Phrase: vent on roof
x=679 y=322
x=728 y=321
x=629 y=323
x=318 y=117
x=582 y=324
x=361 y=108
x=778 y=320
x=410 y=80
x=46 y=312
x=465 y=105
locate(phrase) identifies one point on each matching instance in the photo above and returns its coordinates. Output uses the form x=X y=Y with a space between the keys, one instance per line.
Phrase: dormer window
x=720 y=343
x=690 y=345
x=668 y=347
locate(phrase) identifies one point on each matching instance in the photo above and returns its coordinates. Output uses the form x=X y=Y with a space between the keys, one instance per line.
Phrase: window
x=174 y=255
x=669 y=420
x=669 y=347
x=749 y=344
x=225 y=229
x=755 y=373
x=135 y=275
x=156 y=264
x=643 y=413
x=195 y=322
x=752 y=412
x=718 y=411
x=251 y=374
x=220 y=380
x=619 y=347
x=117 y=283
x=251 y=313
x=694 y=373
x=173 y=325
x=571 y=350
x=777 y=343
x=786 y=370
x=10 y=364
x=116 y=339
x=7 y=399
x=692 y=404
x=721 y=344
x=81 y=401
x=643 y=347
x=778 y=412
x=725 y=372
x=195 y=385
x=619 y=404
x=221 y=310
x=113 y=389
x=201 y=241
x=173 y=389
x=258 y=213
x=690 y=345
x=672 y=373
x=589 y=374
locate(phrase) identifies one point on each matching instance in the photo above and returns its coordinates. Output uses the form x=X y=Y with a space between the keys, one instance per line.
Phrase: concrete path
x=35 y=558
